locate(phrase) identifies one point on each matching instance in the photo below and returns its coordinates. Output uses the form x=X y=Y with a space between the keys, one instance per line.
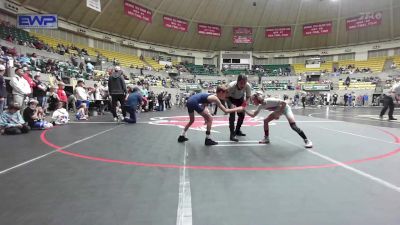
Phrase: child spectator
x=60 y=116
x=62 y=96
x=34 y=116
x=11 y=121
x=52 y=99
x=81 y=113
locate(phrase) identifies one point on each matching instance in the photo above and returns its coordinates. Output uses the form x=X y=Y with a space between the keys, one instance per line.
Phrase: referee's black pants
x=388 y=103
x=230 y=103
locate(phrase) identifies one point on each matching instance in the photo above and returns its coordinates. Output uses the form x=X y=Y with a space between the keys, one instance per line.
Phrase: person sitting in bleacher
x=11 y=121
x=34 y=116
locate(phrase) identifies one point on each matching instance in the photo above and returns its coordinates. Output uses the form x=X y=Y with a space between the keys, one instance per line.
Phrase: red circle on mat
x=175 y=166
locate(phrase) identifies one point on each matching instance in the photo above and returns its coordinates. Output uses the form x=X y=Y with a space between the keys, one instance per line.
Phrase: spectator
x=39 y=90
x=11 y=121
x=60 y=116
x=34 y=116
x=21 y=88
x=133 y=102
x=81 y=94
x=3 y=90
x=117 y=89
x=62 y=95
x=81 y=113
x=52 y=99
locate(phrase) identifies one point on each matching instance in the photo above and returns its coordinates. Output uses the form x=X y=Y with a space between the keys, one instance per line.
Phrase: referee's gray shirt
x=235 y=93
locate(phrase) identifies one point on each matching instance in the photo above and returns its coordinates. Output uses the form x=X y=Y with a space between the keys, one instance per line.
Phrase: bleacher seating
x=19 y=34
x=154 y=64
x=301 y=67
x=375 y=64
x=233 y=72
x=123 y=59
x=396 y=59
x=357 y=85
x=199 y=70
x=275 y=70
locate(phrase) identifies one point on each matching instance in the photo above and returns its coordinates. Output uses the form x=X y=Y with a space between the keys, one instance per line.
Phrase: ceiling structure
x=257 y=14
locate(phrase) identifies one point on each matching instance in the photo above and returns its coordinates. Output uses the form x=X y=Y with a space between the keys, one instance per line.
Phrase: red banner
x=175 y=23
x=278 y=32
x=317 y=28
x=243 y=30
x=208 y=29
x=137 y=11
x=237 y=39
x=365 y=20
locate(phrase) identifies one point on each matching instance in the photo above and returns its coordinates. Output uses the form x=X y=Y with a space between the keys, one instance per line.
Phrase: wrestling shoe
x=392 y=118
x=308 y=143
x=265 y=140
x=182 y=138
x=209 y=142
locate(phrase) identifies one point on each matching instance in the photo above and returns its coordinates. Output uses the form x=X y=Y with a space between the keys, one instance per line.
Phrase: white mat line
x=239 y=145
x=47 y=154
x=352 y=169
x=358 y=135
x=184 y=212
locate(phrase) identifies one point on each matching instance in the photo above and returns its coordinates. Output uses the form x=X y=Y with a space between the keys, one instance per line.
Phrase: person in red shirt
x=62 y=96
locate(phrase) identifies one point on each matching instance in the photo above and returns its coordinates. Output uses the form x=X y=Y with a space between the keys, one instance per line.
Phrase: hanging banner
x=278 y=32
x=242 y=30
x=317 y=28
x=209 y=30
x=237 y=39
x=365 y=20
x=137 y=11
x=94 y=4
x=175 y=23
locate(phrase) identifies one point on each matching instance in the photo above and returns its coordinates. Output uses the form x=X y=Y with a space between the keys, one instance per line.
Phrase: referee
x=237 y=90
x=388 y=102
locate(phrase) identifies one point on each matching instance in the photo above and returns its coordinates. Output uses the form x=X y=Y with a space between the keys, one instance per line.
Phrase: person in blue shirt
x=11 y=121
x=133 y=102
x=198 y=103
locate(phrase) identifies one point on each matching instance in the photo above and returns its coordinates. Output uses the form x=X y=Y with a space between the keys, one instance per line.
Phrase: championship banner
x=278 y=32
x=94 y=4
x=137 y=11
x=242 y=30
x=317 y=28
x=208 y=29
x=175 y=23
x=365 y=20
x=237 y=39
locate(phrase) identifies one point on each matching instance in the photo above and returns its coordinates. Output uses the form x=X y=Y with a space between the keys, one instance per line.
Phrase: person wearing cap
x=34 y=116
x=11 y=121
x=62 y=95
x=21 y=88
x=81 y=94
x=388 y=101
x=39 y=90
x=27 y=76
x=239 y=93
x=117 y=90
x=278 y=108
x=3 y=90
